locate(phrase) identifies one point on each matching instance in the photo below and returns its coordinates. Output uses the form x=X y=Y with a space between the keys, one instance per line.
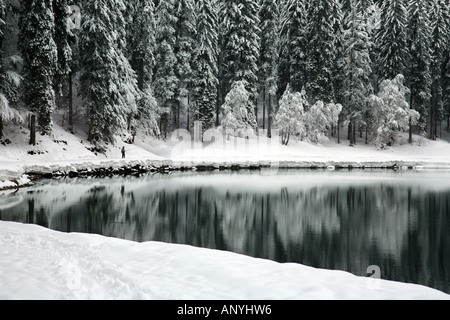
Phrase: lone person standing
x=123 y=152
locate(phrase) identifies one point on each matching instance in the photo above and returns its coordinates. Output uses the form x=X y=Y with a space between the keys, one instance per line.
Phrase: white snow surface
x=37 y=263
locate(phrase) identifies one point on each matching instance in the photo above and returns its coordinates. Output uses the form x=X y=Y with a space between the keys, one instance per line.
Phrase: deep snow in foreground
x=37 y=263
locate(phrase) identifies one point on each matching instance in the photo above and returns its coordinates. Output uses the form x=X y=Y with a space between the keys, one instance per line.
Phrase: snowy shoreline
x=67 y=155
x=25 y=175
x=38 y=263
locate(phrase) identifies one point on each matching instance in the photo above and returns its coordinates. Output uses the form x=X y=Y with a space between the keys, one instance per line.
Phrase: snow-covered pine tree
x=320 y=119
x=4 y=104
x=297 y=44
x=166 y=82
x=75 y=63
x=446 y=88
x=184 y=47
x=205 y=68
x=339 y=58
x=62 y=38
x=418 y=73
x=39 y=53
x=391 y=39
x=285 y=56
x=108 y=82
x=237 y=109
x=290 y=118
x=357 y=68
x=372 y=13
x=365 y=4
x=222 y=87
x=10 y=79
x=273 y=22
x=141 y=29
x=2 y=22
x=320 y=50
x=148 y=113
x=241 y=46
x=338 y=65
x=390 y=112
x=346 y=6
x=2 y=25
x=439 y=17
x=142 y=40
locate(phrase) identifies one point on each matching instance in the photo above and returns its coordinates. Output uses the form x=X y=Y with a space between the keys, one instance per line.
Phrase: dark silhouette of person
x=123 y=152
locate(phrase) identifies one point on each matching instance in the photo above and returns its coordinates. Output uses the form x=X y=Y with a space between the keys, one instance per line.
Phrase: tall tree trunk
x=411 y=105
x=1 y=126
x=339 y=131
x=141 y=74
x=164 y=122
x=410 y=140
x=1 y=65
x=430 y=134
x=178 y=125
x=367 y=134
x=33 y=130
x=435 y=128
x=270 y=115
x=350 y=132
x=70 y=101
x=264 y=107
x=256 y=112
x=286 y=138
x=188 y=115
x=218 y=104
x=269 y=119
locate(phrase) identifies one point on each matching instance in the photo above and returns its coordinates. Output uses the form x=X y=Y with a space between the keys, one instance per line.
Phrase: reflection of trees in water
x=109 y=211
x=375 y=222
x=402 y=229
x=24 y=209
x=432 y=244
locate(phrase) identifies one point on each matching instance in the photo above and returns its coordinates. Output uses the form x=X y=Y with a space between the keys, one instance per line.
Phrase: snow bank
x=37 y=263
x=22 y=181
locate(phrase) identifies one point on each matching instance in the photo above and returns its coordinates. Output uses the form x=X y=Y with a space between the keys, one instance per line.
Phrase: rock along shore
x=29 y=173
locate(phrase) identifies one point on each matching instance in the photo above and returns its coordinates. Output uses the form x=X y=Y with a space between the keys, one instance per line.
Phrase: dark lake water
x=398 y=221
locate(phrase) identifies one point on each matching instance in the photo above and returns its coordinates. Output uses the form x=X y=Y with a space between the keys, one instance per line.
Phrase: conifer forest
x=310 y=69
